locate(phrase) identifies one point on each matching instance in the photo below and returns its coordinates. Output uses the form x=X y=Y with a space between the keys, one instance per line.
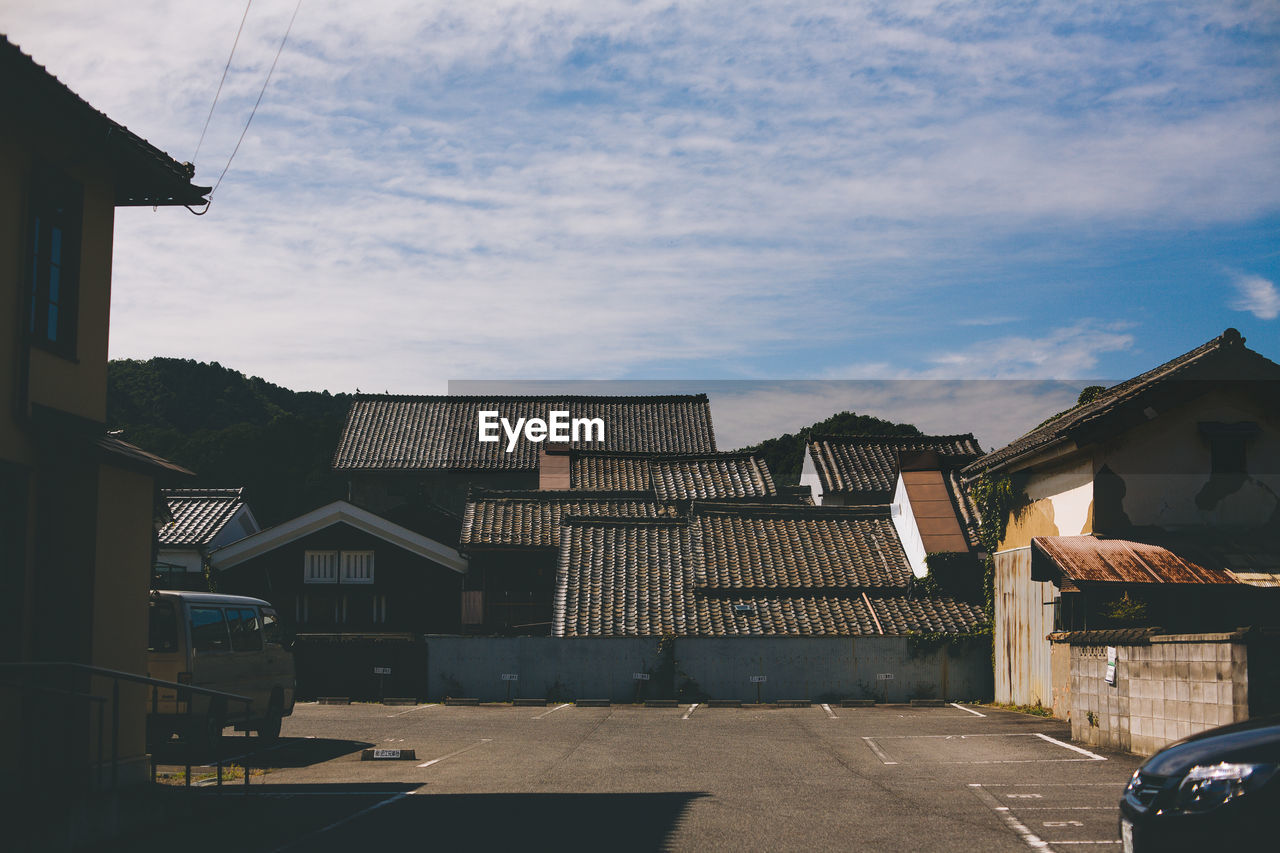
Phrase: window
x=163 y=636
x=271 y=627
x=209 y=630
x=53 y=260
x=321 y=567
x=245 y=634
x=357 y=567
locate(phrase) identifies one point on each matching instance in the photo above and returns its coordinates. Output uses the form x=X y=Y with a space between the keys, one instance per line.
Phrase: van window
x=209 y=630
x=246 y=635
x=163 y=636
x=271 y=626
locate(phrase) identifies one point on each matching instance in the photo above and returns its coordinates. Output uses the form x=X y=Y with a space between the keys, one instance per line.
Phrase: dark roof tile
x=426 y=433
x=866 y=466
x=198 y=515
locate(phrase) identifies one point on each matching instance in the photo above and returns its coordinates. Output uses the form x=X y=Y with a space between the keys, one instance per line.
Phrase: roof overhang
x=1087 y=559
x=338 y=512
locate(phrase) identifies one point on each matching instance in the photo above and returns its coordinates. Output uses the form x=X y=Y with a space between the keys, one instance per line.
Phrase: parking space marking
x=687 y=713
x=830 y=713
x=1089 y=756
x=295 y=844
x=1071 y=746
x=967 y=710
x=880 y=753
x=415 y=708
x=482 y=742
x=553 y=710
x=1032 y=840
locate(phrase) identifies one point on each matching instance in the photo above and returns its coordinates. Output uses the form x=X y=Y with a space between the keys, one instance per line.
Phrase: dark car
x=1217 y=790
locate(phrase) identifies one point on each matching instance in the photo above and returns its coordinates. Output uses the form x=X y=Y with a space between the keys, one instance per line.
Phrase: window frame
x=55 y=209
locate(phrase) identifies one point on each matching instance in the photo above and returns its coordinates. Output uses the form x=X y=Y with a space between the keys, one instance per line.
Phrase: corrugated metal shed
x=1086 y=558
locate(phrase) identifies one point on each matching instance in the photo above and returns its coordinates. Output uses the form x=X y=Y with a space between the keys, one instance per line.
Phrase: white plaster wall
x=809 y=477
x=904 y=521
x=188 y=559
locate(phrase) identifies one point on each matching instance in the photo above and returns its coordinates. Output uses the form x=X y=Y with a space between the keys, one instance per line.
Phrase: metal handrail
x=184 y=692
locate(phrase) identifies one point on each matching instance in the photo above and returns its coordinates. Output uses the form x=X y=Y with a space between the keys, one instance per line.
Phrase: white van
x=230 y=643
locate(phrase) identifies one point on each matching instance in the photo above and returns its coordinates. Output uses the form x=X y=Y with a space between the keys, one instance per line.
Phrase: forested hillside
x=232 y=430
x=785 y=454
x=236 y=430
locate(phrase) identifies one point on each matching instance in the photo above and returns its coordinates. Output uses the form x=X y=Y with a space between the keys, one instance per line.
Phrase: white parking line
x=690 y=711
x=880 y=753
x=416 y=708
x=1071 y=747
x=295 y=844
x=482 y=742
x=553 y=710
x=830 y=713
x=1032 y=840
x=969 y=710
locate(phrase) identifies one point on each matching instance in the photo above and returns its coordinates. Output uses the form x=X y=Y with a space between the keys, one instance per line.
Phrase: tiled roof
x=797 y=547
x=705 y=476
x=867 y=465
x=145 y=175
x=198 y=515
x=634 y=577
x=419 y=433
x=1107 y=637
x=533 y=518
x=1219 y=359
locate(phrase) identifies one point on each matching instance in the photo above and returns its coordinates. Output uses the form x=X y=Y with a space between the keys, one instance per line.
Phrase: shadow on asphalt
x=331 y=818
x=285 y=752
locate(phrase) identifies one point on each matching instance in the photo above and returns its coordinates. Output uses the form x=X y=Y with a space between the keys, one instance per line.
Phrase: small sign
x=640 y=676
x=759 y=679
x=510 y=676
x=1111 y=665
x=388 y=755
x=884 y=676
x=382 y=670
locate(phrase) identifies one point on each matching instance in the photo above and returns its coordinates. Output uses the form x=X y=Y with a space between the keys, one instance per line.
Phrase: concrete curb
x=454 y=701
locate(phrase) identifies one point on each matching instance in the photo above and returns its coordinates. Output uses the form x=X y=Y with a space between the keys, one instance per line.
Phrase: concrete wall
x=1179 y=685
x=816 y=668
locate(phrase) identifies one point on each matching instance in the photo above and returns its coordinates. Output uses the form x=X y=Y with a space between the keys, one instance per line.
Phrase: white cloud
x=1258 y=296
x=616 y=188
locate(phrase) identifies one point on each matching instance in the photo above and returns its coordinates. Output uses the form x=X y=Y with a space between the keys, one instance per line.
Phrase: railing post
x=101 y=714
x=115 y=733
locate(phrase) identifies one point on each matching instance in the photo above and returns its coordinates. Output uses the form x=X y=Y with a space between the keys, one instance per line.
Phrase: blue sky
x=719 y=190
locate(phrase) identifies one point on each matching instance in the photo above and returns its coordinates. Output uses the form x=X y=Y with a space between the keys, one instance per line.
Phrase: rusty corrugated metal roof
x=1087 y=558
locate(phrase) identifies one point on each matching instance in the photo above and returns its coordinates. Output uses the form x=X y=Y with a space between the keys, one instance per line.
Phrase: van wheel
x=269 y=731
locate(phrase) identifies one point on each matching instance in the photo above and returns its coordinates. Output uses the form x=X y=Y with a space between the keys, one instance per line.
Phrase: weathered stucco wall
x=816 y=668
x=1058 y=502
x=1178 y=685
x=1164 y=467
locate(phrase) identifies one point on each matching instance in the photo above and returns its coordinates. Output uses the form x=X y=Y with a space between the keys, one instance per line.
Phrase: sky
x=691 y=191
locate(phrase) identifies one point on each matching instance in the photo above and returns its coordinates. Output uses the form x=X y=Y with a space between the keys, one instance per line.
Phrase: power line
x=216 y=94
x=252 y=112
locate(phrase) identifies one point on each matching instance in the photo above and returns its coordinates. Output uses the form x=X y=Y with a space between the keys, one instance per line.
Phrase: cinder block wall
x=1178 y=685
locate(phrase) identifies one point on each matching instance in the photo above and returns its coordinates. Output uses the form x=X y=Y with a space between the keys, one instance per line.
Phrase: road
x=687 y=778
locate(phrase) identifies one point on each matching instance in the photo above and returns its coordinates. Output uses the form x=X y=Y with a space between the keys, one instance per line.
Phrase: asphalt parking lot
x=889 y=777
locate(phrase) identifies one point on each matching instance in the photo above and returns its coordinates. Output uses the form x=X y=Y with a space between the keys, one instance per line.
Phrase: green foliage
x=1126 y=610
x=785 y=454
x=1037 y=709
x=232 y=430
x=995 y=498
x=921 y=643
x=953 y=574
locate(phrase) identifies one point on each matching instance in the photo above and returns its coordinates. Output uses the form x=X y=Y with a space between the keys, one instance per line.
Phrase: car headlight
x=1208 y=786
